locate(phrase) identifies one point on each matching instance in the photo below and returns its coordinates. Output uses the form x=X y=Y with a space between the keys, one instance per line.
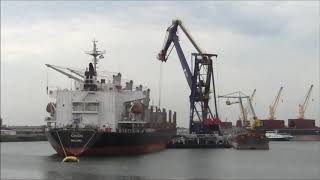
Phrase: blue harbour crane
x=202 y=120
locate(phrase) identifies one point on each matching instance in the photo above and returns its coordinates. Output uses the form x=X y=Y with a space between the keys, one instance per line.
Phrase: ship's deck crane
x=59 y=69
x=304 y=105
x=95 y=53
x=199 y=81
x=76 y=72
x=274 y=105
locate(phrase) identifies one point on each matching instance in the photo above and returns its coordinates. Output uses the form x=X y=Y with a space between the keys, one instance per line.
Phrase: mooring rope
x=65 y=154
x=87 y=143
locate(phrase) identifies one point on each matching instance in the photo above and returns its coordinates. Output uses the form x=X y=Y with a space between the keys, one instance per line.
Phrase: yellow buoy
x=70 y=159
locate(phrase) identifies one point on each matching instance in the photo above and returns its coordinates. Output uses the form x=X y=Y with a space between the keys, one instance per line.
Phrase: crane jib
x=183 y=61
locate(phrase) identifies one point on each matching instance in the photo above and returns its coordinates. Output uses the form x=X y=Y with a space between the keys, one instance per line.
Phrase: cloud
x=260 y=45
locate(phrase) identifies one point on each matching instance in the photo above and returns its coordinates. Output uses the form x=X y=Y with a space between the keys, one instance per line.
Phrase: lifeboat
x=136 y=107
x=51 y=107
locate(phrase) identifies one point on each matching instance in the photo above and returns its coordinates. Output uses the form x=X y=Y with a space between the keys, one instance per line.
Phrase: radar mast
x=95 y=53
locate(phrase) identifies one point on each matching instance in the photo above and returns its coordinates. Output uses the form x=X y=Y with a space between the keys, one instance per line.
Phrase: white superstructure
x=276 y=135
x=99 y=103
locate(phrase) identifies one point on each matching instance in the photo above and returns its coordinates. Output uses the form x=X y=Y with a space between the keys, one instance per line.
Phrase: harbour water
x=284 y=160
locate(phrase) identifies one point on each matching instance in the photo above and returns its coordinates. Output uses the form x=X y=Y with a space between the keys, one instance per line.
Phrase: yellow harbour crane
x=246 y=109
x=274 y=105
x=304 y=105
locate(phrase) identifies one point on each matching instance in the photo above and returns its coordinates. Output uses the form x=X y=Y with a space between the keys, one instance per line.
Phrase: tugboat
x=104 y=117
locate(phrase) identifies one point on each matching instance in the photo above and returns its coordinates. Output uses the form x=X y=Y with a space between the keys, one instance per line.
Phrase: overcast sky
x=262 y=45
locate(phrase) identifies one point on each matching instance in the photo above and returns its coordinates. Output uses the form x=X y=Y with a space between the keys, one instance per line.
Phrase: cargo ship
x=300 y=129
x=105 y=117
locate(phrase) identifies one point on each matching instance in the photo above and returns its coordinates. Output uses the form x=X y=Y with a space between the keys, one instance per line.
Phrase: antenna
x=47 y=80
x=95 y=53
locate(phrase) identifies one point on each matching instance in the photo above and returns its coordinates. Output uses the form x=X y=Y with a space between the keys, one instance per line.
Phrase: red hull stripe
x=120 y=150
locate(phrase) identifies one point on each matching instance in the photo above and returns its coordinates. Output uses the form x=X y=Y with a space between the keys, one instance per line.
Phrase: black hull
x=279 y=139
x=250 y=140
x=90 y=142
x=198 y=146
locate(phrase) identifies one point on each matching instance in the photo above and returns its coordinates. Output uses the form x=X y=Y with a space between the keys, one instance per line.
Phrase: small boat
x=276 y=136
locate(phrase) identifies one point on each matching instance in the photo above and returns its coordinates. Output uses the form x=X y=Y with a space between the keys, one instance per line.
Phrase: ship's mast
x=95 y=53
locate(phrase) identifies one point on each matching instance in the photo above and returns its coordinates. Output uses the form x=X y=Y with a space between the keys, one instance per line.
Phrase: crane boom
x=189 y=36
x=253 y=94
x=172 y=37
x=76 y=72
x=64 y=73
x=183 y=61
x=246 y=109
x=240 y=96
x=303 y=106
x=273 y=106
x=243 y=111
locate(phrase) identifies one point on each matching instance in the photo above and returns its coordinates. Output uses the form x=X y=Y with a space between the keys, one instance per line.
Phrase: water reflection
x=300 y=159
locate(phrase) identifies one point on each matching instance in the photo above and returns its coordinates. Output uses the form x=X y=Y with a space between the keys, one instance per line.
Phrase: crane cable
x=215 y=88
x=160 y=85
x=160 y=77
x=47 y=80
x=169 y=52
x=85 y=146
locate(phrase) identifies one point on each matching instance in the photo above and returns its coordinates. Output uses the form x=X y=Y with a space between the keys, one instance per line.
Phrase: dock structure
x=22 y=133
x=196 y=141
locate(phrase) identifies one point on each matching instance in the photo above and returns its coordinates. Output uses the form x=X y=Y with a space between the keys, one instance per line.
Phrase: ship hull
x=93 y=143
x=279 y=139
x=246 y=146
x=250 y=140
x=306 y=138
